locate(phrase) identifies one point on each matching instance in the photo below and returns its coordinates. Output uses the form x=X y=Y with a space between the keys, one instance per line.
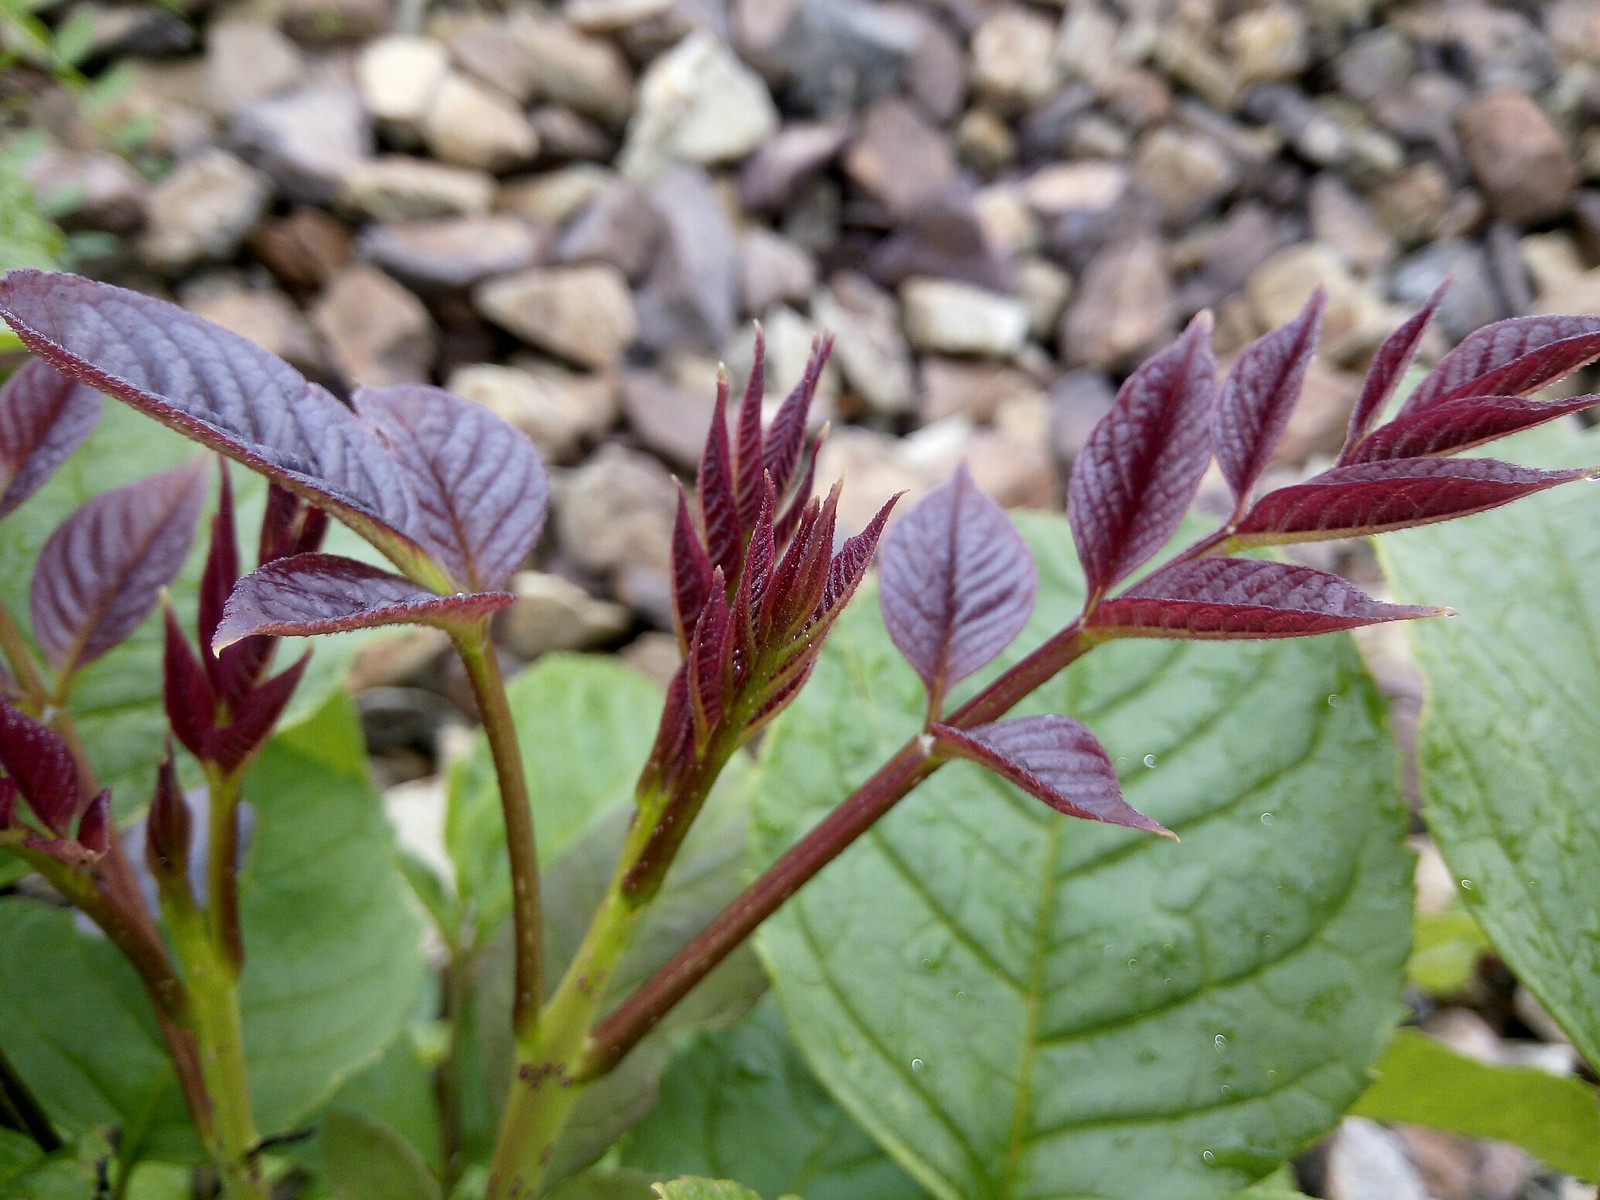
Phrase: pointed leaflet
x=691 y=572
x=1260 y=393
x=232 y=745
x=1054 y=759
x=850 y=564
x=236 y=670
x=41 y=765
x=1369 y=498
x=479 y=486
x=218 y=388
x=1141 y=466
x=169 y=830
x=324 y=593
x=956 y=582
x=43 y=418
x=1454 y=425
x=94 y=827
x=191 y=704
x=719 y=506
x=1214 y=598
x=1512 y=358
x=1388 y=365
x=102 y=570
x=788 y=433
x=747 y=449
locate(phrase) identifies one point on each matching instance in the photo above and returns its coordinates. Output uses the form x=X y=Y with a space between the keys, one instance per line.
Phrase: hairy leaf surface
x=1098 y=1012
x=44 y=417
x=1510 y=358
x=1260 y=393
x=1388 y=365
x=1453 y=425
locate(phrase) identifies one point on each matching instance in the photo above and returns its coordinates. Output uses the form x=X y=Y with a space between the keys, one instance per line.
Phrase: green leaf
x=741 y=1104
x=705 y=1189
x=1015 y=1004
x=585 y=724
x=1445 y=949
x=1509 y=748
x=367 y=1160
x=1424 y=1082
x=332 y=972
x=27 y=237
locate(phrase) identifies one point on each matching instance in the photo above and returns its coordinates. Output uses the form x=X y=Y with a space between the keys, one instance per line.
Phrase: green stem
x=222 y=865
x=14 y=647
x=483 y=670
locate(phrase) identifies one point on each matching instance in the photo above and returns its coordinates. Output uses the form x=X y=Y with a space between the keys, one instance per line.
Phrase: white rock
x=956 y=318
x=394 y=187
x=398 y=76
x=1013 y=57
x=583 y=314
x=551 y=614
x=203 y=210
x=247 y=61
x=469 y=125
x=556 y=408
x=697 y=103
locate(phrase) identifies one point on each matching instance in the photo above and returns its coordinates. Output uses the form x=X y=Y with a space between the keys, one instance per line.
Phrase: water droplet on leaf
x=1149 y=760
x=1221 y=1042
x=1267 y=818
x=917 y=1064
x=1208 y=1156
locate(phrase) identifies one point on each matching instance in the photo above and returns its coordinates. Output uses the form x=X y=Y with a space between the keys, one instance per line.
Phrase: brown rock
x=469 y=125
x=1280 y=286
x=1122 y=309
x=586 y=74
x=772 y=176
x=247 y=61
x=869 y=346
x=583 y=314
x=772 y=270
x=1187 y=173
x=307 y=140
x=1518 y=157
x=619 y=226
x=1013 y=57
x=555 y=197
x=376 y=331
x=261 y=313
x=394 y=187
x=320 y=22
x=1342 y=220
x=563 y=135
x=452 y=253
x=1318 y=424
x=1268 y=43
x=398 y=76
x=668 y=417
x=898 y=158
x=484 y=47
x=616 y=511
x=552 y=614
x=558 y=409
x=204 y=209
x=957 y=387
x=303 y=249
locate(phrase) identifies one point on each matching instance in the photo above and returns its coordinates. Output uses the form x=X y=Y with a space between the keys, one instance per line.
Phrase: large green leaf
x=585 y=724
x=367 y=1160
x=332 y=972
x=1424 y=1082
x=741 y=1104
x=1019 y=1005
x=1510 y=747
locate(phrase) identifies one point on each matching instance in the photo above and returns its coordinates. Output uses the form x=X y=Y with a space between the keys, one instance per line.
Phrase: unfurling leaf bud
x=94 y=827
x=169 y=830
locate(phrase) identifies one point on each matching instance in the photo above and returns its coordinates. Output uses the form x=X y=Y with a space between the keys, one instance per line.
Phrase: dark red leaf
x=1142 y=463
x=1260 y=392
x=1510 y=358
x=691 y=573
x=747 y=449
x=44 y=417
x=259 y=710
x=850 y=564
x=8 y=803
x=785 y=525
x=1388 y=365
x=755 y=581
x=719 y=506
x=802 y=573
x=707 y=655
x=289 y=525
x=674 y=744
x=324 y=593
x=1454 y=425
x=788 y=433
x=479 y=486
x=1216 y=598
x=237 y=669
x=191 y=704
x=1368 y=498
x=1054 y=759
x=94 y=827
x=956 y=583
x=169 y=829
x=218 y=388
x=784 y=688
x=41 y=765
x=102 y=570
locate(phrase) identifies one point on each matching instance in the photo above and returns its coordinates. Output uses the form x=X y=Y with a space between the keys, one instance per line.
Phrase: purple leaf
x=102 y=570
x=1141 y=466
x=719 y=506
x=1217 y=598
x=324 y=593
x=749 y=485
x=231 y=746
x=850 y=564
x=186 y=691
x=1391 y=361
x=1054 y=759
x=44 y=417
x=1368 y=498
x=802 y=573
x=691 y=573
x=1510 y=358
x=289 y=525
x=1260 y=393
x=707 y=654
x=218 y=388
x=8 y=803
x=169 y=830
x=787 y=436
x=480 y=488
x=956 y=583
x=234 y=672
x=1454 y=425
x=94 y=827
x=41 y=765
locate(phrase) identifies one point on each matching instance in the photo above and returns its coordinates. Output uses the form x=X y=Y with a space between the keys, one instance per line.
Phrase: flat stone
x=308 y=140
x=589 y=75
x=946 y=236
x=376 y=331
x=452 y=253
x=1268 y=43
x=203 y=210
x=772 y=270
x=619 y=226
x=1045 y=289
x=613 y=16
x=565 y=135
x=1123 y=307
x=1080 y=187
x=690 y=299
x=869 y=344
x=559 y=410
x=398 y=76
x=898 y=158
x=1366 y=1162
x=1518 y=157
x=262 y=314
x=1341 y=219
x=1187 y=173
x=582 y=314
x=247 y=61
x=555 y=197
x=667 y=416
x=1279 y=288
x=469 y=125
x=616 y=511
x=395 y=187
x=303 y=249
x=699 y=104
x=975 y=391
x=552 y=614
x=955 y=318
x=786 y=162
x=1013 y=57
x=485 y=47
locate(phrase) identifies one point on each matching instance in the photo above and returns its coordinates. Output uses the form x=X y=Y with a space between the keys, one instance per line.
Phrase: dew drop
x=1169 y=981
x=1593 y=478
x=927 y=964
x=1267 y=939
x=917 y=1064
x=1227 y=1090
x=1149 y=760
x=1267 y=818
x=1466 y=885
x=1334 y=700
x=1272 y=1075
x=1221 y=1042
x=1208 y=1156
x=1132 y=963
x=961 y=995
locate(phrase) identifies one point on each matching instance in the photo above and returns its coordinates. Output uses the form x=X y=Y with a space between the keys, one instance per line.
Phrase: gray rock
x=247 y=61
x=203 y=210
x=469 y=125
x=485 y=47
x=376 y=331
x=668 y=417
x=616 y=511
x=936 y=73
x=898 y=158
x=698 y=104
x=1014 y=63
x=303 y=249
x=1373 y=63
x=86 y=189
x=1341 y=219
x=1123 y=307
x=1473 y=299
x=1187 y=173
x=398 y=76
x=833 y=55
x=565 y=135
x=555 y=197
x=1518 y=157
x=619 y=226
x=1367 y=1162
x=945 y=237
x=1077 y=402
x=394 y=187
x=552 y=614
x=586 y=74
x=955 y=318
x=308 y=140
x=691 y=297
x=582 y=314
x=452 y=253
x=261 y=313
x=772 y=270
x=869 y=346
x=558 y=409
x=786 y=162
